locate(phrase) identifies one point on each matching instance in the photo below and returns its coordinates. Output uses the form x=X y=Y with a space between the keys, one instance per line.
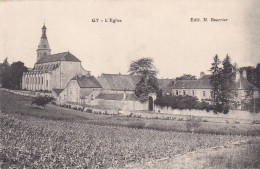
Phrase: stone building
x=80 y=89
x=51 y=71
x=202 y=88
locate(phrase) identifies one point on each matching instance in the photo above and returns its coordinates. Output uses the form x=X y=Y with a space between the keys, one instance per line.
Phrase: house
x=51 y=71
x=80 y=89
x=202 y=88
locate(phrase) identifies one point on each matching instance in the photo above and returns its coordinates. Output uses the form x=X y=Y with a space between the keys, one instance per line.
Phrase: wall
x=70 y=93
x=68 y=71
x=120 y=104
x=236 y=114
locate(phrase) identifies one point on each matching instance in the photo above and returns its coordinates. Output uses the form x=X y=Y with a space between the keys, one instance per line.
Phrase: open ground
x=58 y=137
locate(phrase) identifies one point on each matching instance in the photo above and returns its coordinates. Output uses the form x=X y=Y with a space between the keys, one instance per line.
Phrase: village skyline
x=162 y=32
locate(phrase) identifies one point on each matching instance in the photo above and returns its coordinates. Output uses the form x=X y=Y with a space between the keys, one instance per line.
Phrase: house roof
x=244 y=84
x=57 y=91
x=204 y=83
x=87 y=81
x=165 y=85
x=118 y=81
x=65 y=56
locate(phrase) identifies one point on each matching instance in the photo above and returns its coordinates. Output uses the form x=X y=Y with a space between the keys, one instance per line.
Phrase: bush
x=42 y=100
x=183 y=102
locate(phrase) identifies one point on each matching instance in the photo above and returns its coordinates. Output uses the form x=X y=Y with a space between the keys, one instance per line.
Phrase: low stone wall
x=121 y=104
x=234 y=114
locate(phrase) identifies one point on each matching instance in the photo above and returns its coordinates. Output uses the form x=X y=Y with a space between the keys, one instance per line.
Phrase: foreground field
x=41 y=143
x=56 y=137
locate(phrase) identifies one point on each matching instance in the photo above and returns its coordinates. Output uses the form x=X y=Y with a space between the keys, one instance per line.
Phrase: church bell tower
x=43 y=48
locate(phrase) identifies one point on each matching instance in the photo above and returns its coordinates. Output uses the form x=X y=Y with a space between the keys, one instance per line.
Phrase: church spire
x=43 y=47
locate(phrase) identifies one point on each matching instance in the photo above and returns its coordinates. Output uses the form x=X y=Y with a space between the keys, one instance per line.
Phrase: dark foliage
x=186 y=77
x=183 y=102
x=42 y=100
x=148 y=84
x=11 y=75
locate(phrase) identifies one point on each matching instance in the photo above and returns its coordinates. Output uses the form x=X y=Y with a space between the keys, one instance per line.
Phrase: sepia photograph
x=116 y=84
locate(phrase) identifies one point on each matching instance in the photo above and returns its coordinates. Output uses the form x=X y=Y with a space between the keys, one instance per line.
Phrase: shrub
x=42 y=100
x=183 y=102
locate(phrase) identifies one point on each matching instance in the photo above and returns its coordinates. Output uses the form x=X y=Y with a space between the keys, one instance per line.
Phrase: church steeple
x=43 y=47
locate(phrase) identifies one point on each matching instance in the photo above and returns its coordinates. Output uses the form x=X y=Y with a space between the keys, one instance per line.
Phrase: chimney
x=202 y=74
x=244 y=74
x=237 y=76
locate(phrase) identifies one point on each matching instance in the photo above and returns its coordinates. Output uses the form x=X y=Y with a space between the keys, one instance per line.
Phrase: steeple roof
x=44 y=44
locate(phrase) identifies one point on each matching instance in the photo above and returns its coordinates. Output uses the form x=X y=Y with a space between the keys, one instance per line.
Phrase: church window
x=204 y=93
x=184 y=93
x=35 y=80
x=44 y=46
x=193 y=93
x=39 y=80
x=177 y=92
x=47 y=83
x=42 y=80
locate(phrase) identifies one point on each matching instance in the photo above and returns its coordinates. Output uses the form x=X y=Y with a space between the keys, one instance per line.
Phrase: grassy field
x=56 y=137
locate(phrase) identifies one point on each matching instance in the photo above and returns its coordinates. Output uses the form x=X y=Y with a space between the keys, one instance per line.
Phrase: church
x=51 y=71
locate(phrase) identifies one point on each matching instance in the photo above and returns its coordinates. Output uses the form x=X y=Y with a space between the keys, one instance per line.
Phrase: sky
x=158 y=29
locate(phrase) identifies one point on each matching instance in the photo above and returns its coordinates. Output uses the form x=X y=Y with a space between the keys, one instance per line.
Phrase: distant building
x=51 y=71
x=202 y=88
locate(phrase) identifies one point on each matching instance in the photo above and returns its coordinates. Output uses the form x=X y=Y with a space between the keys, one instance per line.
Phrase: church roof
x=65 y=56
x=87 y=81
x=118 y=81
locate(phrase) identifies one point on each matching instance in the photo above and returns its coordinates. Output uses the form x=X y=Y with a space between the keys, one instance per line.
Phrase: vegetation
x=57 y=137
x=148 y=84
x=64 y=144
x=223 y=84
x=11 y=75
x=183 y=102
x=42 y=100
x=186 y=77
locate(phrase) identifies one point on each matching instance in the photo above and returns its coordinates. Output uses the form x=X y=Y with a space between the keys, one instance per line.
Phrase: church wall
x=69 y=70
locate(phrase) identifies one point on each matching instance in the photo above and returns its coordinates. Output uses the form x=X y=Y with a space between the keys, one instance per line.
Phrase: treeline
x=11 y=75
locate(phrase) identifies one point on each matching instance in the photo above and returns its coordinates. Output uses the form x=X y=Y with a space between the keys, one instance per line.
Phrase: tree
x=5 y=73
x=186 y=77
x=16 y=72
x=215 y=81
x=148 y=84
x=227 y=86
